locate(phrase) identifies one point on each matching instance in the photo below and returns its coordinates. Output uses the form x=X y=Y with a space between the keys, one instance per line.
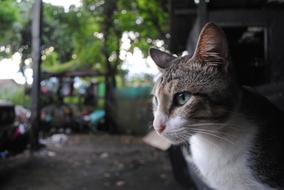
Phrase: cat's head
x=194 y=94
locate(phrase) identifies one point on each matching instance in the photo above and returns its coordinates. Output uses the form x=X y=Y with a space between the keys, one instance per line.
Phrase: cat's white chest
x=222 y=165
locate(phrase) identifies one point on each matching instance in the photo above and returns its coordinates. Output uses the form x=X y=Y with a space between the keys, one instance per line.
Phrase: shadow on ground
x=88 y=162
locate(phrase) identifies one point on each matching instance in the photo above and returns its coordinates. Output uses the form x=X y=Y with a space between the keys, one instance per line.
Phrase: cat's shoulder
x=267 y=153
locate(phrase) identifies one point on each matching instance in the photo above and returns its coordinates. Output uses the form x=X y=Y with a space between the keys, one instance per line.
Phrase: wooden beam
x=200 y=21
x=271 y=21
x=235 y=17
x=243 y=17
x=36 y=61
x=184 y=12
x=202 y=13
x=71 y=74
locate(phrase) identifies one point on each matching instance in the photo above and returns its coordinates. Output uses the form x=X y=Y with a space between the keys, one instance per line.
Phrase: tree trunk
x=109 y=7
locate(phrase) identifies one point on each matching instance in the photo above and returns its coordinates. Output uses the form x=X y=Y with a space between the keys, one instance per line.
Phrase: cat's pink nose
x=161 y=128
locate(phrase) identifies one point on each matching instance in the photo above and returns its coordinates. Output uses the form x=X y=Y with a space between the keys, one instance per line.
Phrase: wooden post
x=36 y=61
x=202 y=15
x=201 y=19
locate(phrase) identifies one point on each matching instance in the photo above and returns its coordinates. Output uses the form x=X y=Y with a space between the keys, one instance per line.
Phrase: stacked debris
x=14 y=129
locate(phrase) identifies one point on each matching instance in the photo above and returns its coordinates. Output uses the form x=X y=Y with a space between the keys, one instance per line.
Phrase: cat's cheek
x=176 y=123
x=174 y=130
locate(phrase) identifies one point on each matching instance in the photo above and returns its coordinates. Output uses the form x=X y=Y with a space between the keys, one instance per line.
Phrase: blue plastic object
x=96 y=117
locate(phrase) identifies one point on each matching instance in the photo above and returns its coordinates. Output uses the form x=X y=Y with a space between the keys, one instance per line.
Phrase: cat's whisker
x=220 y=134
x=176 y=135
x=217 y=126
x=208 y=132
x=184 y=137
x=202 y=124
x=215 y=130
x=214 y=135
x=180 y=130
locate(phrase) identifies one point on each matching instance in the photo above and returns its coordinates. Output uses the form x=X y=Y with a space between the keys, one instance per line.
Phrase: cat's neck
x=236 y=134
x=223 y=161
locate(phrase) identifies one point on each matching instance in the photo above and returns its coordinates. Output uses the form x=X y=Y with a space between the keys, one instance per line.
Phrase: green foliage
x=16 y=96
x=105 y=23
x=147 y=18
x=87 y=37
x=9 y=14
x=50 y=63
x=11 y=25
x=56 y=32
x=57 y=67
x=141 y=80
x=71 y=100
x=50 y=59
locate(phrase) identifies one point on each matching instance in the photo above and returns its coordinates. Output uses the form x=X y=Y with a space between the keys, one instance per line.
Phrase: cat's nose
x=159 y=122
x=161 y=128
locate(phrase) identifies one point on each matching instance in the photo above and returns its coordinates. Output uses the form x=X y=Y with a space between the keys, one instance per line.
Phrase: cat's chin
x=175 y=140
x=178 y=142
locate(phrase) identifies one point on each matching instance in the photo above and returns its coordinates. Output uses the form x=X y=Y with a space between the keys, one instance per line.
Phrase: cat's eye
x=181 y=98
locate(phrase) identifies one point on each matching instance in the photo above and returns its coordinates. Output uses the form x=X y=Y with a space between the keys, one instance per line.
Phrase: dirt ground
x=90 y=162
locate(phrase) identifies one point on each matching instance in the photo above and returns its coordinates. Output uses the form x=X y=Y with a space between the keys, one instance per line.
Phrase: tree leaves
x=77 y=36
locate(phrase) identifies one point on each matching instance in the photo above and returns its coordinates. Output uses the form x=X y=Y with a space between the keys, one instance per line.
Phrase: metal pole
x=36 y=61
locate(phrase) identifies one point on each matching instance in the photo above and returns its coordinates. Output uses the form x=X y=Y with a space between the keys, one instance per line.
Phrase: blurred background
x=76 y=80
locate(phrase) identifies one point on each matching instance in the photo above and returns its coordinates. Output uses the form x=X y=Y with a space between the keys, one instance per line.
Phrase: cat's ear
x=212 y=45
x=162 y=59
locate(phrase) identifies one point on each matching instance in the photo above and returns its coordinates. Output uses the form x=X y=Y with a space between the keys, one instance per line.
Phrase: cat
x=235 y=136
